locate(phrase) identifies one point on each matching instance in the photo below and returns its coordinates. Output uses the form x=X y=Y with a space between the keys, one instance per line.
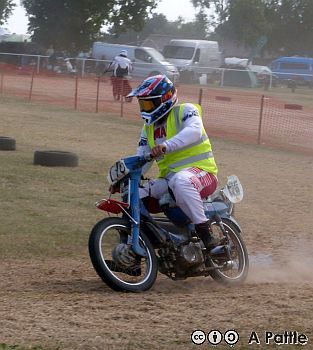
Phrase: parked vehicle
x=146 y=60
x=264 y=74
x=238 y=75
x=298 y=69
x=193 y=57
x=128 y=251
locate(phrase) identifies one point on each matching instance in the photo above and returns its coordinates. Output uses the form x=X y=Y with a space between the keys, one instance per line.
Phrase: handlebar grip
x=148 y=157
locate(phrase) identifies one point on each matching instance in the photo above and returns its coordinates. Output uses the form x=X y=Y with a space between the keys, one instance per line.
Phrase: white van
x=193 y=57
x=146 y=60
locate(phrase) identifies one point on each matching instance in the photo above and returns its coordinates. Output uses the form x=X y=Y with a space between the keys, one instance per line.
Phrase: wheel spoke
x=235 y=268
x=138 y=268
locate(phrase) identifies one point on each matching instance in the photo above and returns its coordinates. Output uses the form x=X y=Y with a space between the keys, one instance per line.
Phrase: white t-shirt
x=120 y=61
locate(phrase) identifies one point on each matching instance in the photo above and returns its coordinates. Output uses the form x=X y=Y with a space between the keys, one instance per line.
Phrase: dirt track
x=62 y=303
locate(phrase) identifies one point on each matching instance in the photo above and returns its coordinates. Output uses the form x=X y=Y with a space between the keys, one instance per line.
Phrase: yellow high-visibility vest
x=199 y=154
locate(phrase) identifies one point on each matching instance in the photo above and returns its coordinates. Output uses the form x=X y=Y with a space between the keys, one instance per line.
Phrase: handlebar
x=148 y=157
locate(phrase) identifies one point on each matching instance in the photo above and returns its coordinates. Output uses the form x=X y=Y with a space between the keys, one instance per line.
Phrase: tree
x=72 y=24
x=292 y=26
x=160 y=26
x=242 y=21
x=287 y=24
x=6 y=7
x=245 y=21
x=220 y=7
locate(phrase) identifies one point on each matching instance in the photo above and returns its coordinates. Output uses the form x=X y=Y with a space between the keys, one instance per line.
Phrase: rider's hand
x=114 y=189
x=158 y=150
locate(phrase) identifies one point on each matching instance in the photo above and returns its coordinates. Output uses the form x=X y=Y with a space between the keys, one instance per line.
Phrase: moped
x=128 y=250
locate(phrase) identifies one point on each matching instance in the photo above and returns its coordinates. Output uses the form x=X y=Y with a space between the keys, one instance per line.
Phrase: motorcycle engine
x=183 y=261
x=191 y=253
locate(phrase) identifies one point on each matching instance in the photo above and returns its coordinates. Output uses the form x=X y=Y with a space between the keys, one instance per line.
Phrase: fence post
x=222 y=78
x=38 y=64
x=83 y=67
x=97 y=99
x=1 y=83
x=31 y=84
x=200 y=96
x=76 y=92
x=260 y=120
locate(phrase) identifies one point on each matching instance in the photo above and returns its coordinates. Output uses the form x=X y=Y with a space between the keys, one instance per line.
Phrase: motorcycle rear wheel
x=237 y=273
x=106 y=235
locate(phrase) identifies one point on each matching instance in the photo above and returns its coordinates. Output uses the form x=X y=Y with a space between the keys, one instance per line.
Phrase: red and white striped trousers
x=189 y=186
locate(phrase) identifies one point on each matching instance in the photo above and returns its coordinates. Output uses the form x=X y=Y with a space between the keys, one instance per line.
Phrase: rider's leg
x=151 y=192
x=187 y=186
x=154 y=188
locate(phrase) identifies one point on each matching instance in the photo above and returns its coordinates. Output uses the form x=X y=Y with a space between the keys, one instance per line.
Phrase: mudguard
x=232 y=220
x=216 y=207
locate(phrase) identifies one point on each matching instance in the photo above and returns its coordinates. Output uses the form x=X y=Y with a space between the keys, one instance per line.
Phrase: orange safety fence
x=238 y=115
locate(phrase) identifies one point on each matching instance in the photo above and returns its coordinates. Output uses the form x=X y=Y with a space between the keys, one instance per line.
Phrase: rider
x=174 y=134
x=121 y=65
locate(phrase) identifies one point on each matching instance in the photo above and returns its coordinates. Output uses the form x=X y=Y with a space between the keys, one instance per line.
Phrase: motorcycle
x=129 y=250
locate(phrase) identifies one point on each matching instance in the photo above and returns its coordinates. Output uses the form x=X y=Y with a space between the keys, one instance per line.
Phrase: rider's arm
x=144 y=148
x=110 y=67
x=130 y=65
x=191 y=132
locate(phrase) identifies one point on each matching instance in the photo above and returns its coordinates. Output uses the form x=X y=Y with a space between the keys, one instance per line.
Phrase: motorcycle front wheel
x=114 y=261
x=235 y=270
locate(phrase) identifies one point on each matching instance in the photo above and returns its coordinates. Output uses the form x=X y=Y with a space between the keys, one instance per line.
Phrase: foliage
x=73 y=25
x=287 y=24
x=292 y=26
x=244 y=21
x=6 y=7
x=159 y=25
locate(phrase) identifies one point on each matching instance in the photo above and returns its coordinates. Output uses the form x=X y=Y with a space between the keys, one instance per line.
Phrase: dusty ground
x=59 y=302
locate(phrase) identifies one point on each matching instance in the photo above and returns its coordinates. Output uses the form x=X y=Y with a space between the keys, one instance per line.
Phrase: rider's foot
x=205 y=233
x=213 y=243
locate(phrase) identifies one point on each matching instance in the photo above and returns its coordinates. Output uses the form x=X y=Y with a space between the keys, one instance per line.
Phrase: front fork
x=135 y=213
x=225 y=245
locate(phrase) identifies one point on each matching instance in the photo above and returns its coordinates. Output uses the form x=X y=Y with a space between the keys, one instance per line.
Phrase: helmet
x=123 y=53
x=156 y=96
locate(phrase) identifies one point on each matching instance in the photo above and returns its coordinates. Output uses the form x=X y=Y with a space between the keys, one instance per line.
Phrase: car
x=297 y=69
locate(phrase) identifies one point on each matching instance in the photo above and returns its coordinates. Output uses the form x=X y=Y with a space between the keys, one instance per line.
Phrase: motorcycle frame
x=134 y=164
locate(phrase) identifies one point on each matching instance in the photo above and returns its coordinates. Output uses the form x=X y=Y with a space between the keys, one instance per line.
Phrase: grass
x=48 y=213
x=45 y=210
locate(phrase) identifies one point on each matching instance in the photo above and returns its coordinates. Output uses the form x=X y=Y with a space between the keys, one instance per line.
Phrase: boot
x=204 y=232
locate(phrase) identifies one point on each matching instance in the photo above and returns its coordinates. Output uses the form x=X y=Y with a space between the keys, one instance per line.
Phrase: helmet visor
x=149 y=104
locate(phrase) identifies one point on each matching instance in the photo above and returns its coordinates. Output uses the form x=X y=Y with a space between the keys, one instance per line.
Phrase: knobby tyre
x=105 y=237
x=239 y=271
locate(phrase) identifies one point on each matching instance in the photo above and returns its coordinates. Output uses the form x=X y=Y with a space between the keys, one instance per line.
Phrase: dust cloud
x=291 y=264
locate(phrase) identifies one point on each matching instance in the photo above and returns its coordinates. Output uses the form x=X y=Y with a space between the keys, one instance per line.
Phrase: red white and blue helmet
x=156 y=95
